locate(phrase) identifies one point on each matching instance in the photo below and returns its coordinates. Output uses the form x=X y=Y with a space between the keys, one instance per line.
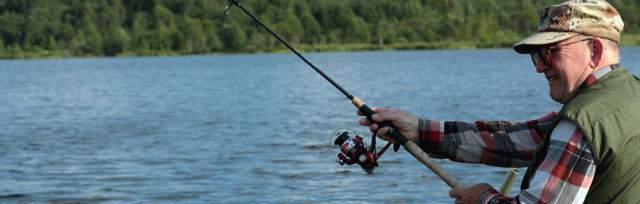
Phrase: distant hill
x=40 y=28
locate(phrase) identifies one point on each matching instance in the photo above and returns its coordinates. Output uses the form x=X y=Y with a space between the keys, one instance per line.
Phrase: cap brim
x=541 y=38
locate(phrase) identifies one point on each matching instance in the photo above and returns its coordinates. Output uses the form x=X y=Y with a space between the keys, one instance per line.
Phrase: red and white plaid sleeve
x=497 y=143
x=566 y=173
x=564 y=176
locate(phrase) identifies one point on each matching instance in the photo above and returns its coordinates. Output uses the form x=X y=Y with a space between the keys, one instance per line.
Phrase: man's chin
x=556 y=98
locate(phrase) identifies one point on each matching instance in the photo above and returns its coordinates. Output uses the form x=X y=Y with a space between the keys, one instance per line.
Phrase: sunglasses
x=543 y=54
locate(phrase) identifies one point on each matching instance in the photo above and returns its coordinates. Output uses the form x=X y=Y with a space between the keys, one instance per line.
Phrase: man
x=587 y=152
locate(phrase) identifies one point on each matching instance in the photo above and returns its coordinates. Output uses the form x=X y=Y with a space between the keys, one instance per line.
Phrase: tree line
x=151 y=27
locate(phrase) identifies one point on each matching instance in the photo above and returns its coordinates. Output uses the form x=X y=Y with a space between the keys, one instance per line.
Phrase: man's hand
x=470 y=194
x=404 y=122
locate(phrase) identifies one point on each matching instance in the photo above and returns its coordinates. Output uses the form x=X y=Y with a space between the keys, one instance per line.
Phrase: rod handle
x=508 y=183
x=424 y=158
x=410 y=146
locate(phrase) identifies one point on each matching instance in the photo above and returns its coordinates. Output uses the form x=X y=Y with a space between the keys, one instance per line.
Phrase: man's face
x=565 y=66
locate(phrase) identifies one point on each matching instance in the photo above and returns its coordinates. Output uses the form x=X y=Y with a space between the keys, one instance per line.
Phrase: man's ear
x=597 y=52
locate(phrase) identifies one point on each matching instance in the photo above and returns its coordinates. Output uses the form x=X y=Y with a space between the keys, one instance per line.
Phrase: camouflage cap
x=562 y=21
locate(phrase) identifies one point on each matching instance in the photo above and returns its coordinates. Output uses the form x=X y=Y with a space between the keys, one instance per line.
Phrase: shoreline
x=7 y=53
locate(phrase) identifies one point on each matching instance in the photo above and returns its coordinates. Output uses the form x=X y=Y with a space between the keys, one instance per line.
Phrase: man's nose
x=540 y=67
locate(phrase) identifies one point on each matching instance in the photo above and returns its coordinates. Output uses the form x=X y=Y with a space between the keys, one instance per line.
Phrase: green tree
x=116 y=42
x=211 y=32
x=112 y=13
x=290 y=28
x=357 y=31
x=312 y=30
x=93 y=37
x=35 y=29
x=233 y=36
x=51 y=43
x=11 y=29
x=139 y=32
x=166 y=31
x=195 y=40
x=385 y=32
x=78 y=44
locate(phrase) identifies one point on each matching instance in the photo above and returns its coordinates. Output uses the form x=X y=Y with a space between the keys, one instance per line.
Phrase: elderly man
x=587 y=152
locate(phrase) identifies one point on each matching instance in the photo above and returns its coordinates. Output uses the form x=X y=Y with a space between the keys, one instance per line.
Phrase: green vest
x=608 y=112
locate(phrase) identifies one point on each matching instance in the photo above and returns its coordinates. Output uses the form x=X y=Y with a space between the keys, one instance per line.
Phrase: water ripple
x=242 y=128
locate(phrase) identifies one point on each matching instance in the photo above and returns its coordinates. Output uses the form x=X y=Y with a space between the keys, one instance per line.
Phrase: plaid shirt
x=564 y=176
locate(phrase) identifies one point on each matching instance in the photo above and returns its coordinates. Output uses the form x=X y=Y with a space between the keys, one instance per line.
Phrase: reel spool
x=353 y=150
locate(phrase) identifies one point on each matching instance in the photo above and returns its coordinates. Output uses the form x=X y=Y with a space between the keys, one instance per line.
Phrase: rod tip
x=228 y=7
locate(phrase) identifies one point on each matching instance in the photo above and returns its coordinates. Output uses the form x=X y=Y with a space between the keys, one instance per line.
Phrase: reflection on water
x=242 y=128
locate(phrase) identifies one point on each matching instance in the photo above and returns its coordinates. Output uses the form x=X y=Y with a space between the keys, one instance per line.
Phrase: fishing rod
x=408 y=145
x=508 y=183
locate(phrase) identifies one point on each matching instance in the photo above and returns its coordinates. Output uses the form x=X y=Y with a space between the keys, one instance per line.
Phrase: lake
x=244 y=128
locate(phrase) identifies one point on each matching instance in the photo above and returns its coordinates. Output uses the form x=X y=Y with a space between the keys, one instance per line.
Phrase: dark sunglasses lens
x=535 y=58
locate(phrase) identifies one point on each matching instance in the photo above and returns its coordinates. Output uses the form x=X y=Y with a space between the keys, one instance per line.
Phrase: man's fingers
x=384 y=134
x=376 y=117
x=386 y=115
x=381 y=115
x=455 y=193
x=373 y=127
x=364 y=121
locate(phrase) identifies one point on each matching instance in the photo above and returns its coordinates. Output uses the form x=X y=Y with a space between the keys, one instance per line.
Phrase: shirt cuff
x=492 y=196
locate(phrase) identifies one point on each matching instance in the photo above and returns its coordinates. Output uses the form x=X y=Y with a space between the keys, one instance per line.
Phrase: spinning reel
x=353 y=150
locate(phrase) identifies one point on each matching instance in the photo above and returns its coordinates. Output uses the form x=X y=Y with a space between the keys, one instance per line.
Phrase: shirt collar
x=593 y=77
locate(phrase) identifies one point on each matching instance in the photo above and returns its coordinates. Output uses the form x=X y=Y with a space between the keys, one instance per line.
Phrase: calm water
x=242 y=128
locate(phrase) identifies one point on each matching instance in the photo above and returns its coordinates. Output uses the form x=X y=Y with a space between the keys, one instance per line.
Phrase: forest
x=62 y=28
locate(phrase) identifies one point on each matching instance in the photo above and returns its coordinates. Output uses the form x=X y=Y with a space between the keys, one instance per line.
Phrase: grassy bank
x=12 y=53
x=630 y=40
